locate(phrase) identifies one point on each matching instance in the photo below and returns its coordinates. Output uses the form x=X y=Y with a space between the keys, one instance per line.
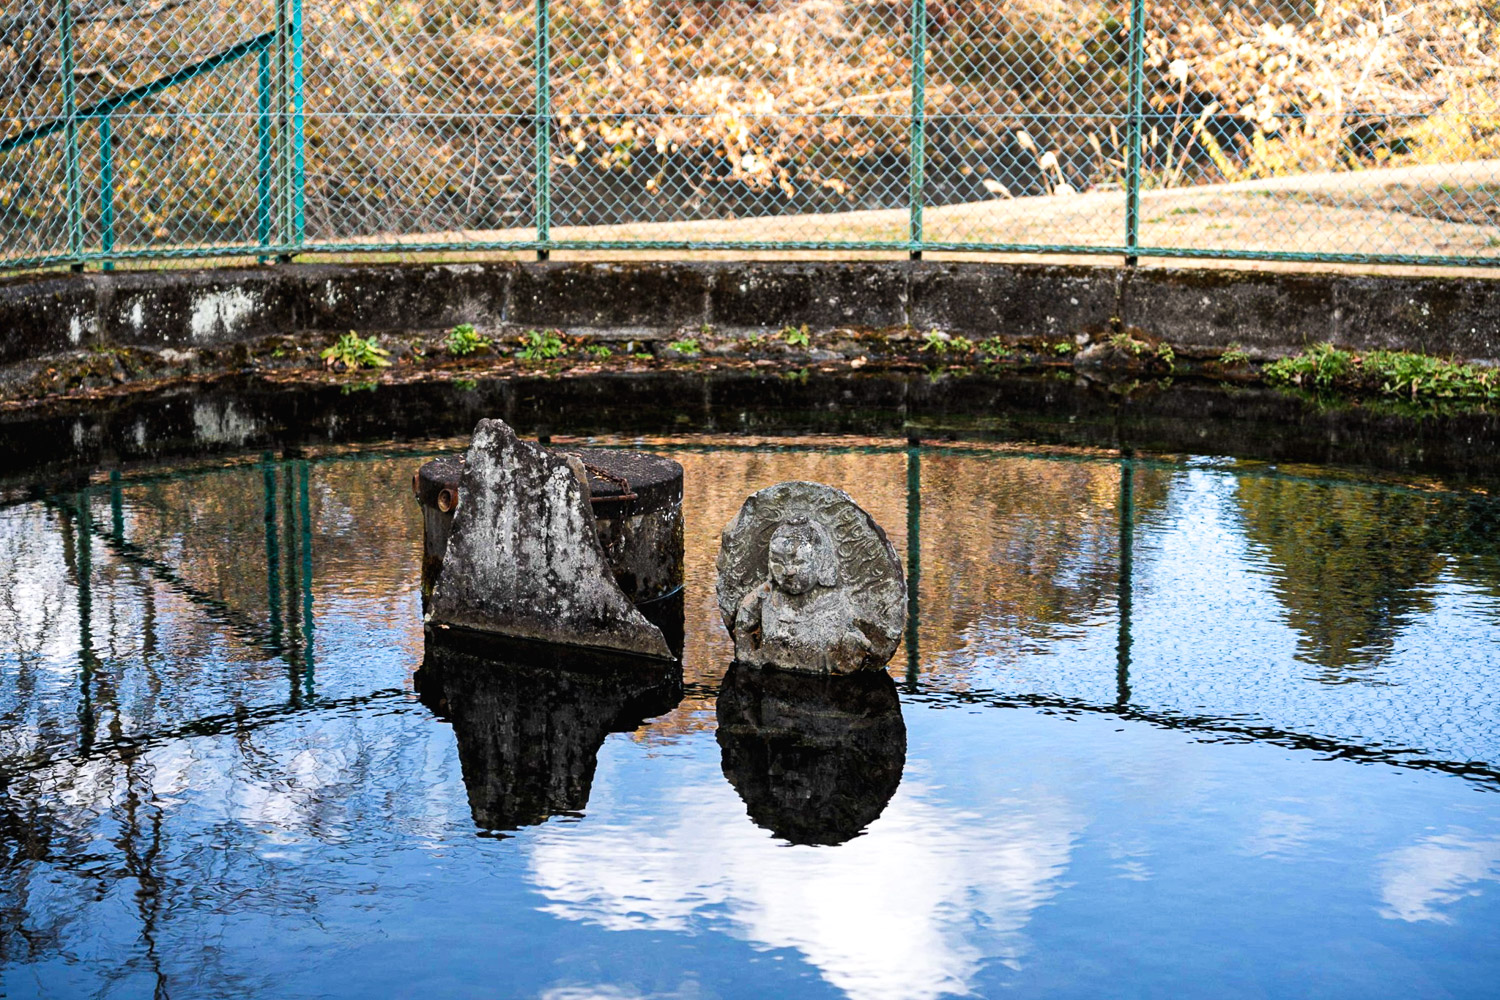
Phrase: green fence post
x=543 y=131
x=263 y=148
x=299 y=162
x=72 y=177
x=107 y=189
x=1133 y=130
x=282 y=100
x=915 y=193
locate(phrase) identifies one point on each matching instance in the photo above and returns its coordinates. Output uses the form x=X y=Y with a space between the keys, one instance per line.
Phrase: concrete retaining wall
x=1266 y=312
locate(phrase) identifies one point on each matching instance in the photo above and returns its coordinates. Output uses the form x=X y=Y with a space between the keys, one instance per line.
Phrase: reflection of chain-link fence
x=1341 y=130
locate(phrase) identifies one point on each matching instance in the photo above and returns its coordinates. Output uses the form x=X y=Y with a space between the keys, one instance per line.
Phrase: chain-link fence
x=1328 y=130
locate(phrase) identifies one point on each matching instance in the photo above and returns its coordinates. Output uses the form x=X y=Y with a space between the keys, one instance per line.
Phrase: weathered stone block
x=637 y=505
x=524 y=557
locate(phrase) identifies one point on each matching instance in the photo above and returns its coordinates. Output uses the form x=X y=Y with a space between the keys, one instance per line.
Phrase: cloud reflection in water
x=911 y=909
x=1416 y=882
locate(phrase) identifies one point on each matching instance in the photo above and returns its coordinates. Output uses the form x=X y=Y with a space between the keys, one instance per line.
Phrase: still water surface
x=1160 y=729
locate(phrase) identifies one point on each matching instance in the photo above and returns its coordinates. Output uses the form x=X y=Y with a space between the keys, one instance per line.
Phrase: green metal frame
x=1134 y=128
x=103 y=114
x=543 y=133
x=72 y=173
x=281 y=168
x=918 y=152
x=229 y=250
x=289 y=116
x=135 y=95
x=107 y=189
x=263 y=145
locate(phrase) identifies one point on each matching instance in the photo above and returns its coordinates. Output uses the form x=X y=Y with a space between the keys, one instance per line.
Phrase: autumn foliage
x=421 y=114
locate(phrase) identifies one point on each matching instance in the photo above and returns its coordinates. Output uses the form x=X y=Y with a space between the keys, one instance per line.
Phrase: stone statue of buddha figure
x=809 y=582
x=800 y=615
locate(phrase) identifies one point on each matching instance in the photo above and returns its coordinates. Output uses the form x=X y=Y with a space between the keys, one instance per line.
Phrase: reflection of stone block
x=530 y=718
x=524 y=557
x=808 y=581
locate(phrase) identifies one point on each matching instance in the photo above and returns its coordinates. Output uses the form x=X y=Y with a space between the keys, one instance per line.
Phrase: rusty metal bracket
x=625 y=494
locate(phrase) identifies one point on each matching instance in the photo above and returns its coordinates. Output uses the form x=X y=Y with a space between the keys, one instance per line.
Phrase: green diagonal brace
x=135 y=94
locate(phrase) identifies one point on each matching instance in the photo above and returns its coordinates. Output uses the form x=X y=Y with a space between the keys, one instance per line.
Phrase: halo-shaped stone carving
x=808 y=581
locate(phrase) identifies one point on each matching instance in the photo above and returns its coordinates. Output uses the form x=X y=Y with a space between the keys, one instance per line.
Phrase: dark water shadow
x=530 y=718
x=45 y=447
x=815 y=758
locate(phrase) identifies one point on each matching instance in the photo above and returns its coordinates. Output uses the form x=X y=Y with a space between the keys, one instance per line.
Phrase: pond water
x=1190 y=728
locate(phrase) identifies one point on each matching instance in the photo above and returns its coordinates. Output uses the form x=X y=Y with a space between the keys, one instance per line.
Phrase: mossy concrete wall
x=1266 y=312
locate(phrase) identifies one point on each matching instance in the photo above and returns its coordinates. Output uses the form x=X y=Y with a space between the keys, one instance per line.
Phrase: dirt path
x=1447 y=210
x=1440 y=210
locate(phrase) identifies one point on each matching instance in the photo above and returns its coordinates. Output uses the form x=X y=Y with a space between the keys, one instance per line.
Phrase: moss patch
x=1397 y=375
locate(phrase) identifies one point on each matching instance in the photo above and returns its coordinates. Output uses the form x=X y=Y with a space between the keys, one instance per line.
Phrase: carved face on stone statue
x=809 y=582
x=801 y=557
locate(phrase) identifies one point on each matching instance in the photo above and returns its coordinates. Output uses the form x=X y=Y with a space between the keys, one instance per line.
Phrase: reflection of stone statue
x=815 y=759
x=808 y=581
x=530 y=718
